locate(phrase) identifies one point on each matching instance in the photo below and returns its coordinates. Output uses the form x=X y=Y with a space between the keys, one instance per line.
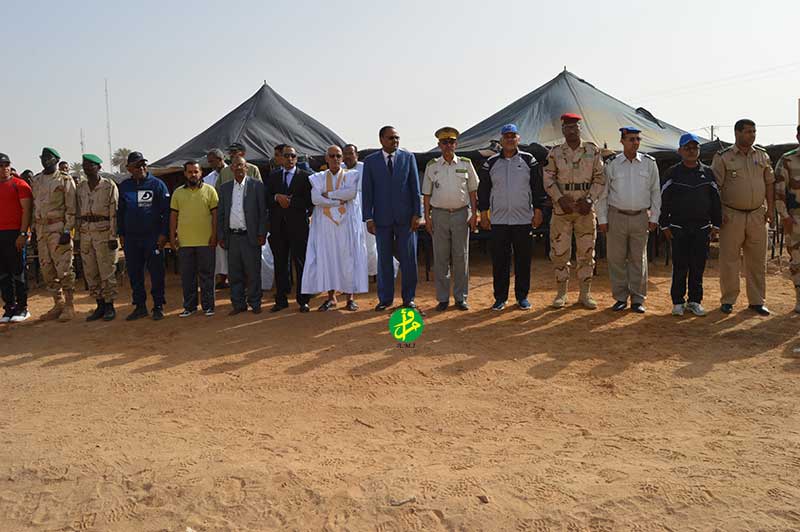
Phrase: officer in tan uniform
x=745 y=178
x=574 y=180
x=54 y=217
x=450 y=197
x=97 y=227
x=787 y=202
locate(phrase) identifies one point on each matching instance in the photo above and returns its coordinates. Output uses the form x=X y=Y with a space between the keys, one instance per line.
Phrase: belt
x=238 y=231
x=93 y=218
x=54 y=220
x=743 y=210
x=451 y=211
x=577 y=186
x=629 y=213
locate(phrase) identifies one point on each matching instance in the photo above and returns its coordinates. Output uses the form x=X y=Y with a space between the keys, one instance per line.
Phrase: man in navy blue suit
x=392 y=209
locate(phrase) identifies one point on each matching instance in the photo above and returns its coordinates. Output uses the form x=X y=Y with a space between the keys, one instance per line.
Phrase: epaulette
x=723 y=150
x=592 y=144
x=432 y=161
x=648 y=156
x=611 y=157
x=760 y=148
x=465 y=158
x=792 y=152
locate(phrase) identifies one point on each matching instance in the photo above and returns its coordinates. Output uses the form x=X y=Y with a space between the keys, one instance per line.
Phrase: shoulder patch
x=648 y=156
x=465 y=158
x=432 y=161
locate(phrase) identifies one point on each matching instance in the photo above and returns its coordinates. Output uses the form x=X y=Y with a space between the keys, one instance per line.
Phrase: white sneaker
x=20 y=316
x=209 y=312
x=696 y=308
x=7 y=316
x=186 y=313
x=677 y=310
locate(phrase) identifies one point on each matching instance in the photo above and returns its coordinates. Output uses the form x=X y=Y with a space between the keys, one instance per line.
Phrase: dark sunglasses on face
x=290 y=155
x=335 y=155
x=448 y=141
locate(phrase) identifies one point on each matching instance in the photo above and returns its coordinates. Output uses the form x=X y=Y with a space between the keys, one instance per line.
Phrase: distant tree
x=76 y=169
x=120 y=158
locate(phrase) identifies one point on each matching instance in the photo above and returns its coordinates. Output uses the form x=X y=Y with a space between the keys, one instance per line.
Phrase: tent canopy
x=262 y=122
x=538 y=117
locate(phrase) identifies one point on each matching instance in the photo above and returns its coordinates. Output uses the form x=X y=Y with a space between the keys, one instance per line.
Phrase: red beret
x=571 y=117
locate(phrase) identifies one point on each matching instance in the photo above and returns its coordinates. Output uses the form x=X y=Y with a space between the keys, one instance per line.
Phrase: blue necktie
x=390 y=165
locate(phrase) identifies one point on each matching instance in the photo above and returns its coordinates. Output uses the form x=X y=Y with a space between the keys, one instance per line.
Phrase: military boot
x=109 y=313
x=98 y=312
x=55 y=312
x=69 y=309
x=561 y=296
x=797 y=299
x=586 y=298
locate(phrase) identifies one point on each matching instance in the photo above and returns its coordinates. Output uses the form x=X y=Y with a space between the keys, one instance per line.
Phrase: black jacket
x=690 y=197
x=297 y=214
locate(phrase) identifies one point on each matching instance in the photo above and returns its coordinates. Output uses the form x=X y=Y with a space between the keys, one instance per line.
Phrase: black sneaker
x=20 y=314
x=498 y=306
x=7 y=315
x=158 y=313
x=138 y=312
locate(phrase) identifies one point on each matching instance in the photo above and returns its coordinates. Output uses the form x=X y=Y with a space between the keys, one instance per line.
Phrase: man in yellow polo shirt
x=193 y=233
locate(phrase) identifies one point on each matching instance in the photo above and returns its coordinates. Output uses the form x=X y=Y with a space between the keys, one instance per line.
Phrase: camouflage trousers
x=99 y=265
x=55 y=261
x=792 y=243
x=562 y=226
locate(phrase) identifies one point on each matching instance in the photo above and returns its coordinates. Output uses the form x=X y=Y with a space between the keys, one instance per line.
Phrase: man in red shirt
x=16 y=201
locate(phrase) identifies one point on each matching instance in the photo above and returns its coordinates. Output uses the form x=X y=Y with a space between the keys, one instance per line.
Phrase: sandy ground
x=563 y=420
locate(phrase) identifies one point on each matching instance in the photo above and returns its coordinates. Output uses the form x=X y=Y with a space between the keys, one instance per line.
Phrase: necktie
x=286 y=179
x=390 y=164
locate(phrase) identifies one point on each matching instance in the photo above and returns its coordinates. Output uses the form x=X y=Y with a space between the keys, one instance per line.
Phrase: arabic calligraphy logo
x=406 y=325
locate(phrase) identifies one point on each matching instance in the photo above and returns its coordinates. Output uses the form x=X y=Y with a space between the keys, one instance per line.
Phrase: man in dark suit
x=288 y=192
x=392 y=209
x=242 y=230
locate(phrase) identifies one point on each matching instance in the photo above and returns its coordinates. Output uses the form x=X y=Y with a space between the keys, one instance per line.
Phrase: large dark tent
x=537 y=115
x=263 y=121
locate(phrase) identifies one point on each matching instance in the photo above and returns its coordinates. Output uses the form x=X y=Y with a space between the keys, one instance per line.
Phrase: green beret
x=52 y=151
x=92 y=158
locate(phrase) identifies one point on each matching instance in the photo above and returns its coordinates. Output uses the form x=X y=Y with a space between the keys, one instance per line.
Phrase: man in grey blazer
x=242 y=230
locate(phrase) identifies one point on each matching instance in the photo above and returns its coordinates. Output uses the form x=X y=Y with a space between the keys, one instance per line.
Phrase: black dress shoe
x=304 y=308
x=380 y=307
x=256 y=310
x=462 y=305
x=619 y=305
x=413 y=305
x=138 y=312
x=638 y=308
x=442 y=306
x=277 y=307
x=234 y=311
x=761 y=310
x=726 y=308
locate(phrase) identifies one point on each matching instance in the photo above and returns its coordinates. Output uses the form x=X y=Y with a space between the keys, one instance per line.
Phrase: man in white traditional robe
x=336 y=257
x=216 y=160
x=351 y=162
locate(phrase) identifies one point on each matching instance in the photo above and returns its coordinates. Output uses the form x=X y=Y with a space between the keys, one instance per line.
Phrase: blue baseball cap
x=686 y=138
x=629 y=129
x=509 y=128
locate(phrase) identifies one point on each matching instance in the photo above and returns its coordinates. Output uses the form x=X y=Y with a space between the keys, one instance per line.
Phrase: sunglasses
x=447 y=141
x=290 y=155
x=5 y=165
x=394 y=137
x=335 y=155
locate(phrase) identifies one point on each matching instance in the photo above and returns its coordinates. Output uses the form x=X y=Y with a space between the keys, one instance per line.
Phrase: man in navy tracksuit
x=143 y=226
x=691 y=214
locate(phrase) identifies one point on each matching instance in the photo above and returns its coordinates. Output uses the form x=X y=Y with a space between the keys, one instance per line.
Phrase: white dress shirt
x=211 y=179
x=631 y=185
x=386 y=157
x=237 y=220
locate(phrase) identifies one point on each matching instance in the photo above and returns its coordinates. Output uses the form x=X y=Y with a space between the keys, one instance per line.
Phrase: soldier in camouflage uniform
x=54 y=217
x=574 y=180
x=97 y=227
x=787 y=202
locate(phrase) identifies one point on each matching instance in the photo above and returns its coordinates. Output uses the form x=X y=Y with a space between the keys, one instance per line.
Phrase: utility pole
x=712 y=132
x=108 y=125
x=83 y=142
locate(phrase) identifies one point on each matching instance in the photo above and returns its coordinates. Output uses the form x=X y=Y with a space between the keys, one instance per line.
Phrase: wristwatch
x=23 y=233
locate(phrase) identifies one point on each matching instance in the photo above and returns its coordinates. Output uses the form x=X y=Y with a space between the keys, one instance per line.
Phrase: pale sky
x=174 y=68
